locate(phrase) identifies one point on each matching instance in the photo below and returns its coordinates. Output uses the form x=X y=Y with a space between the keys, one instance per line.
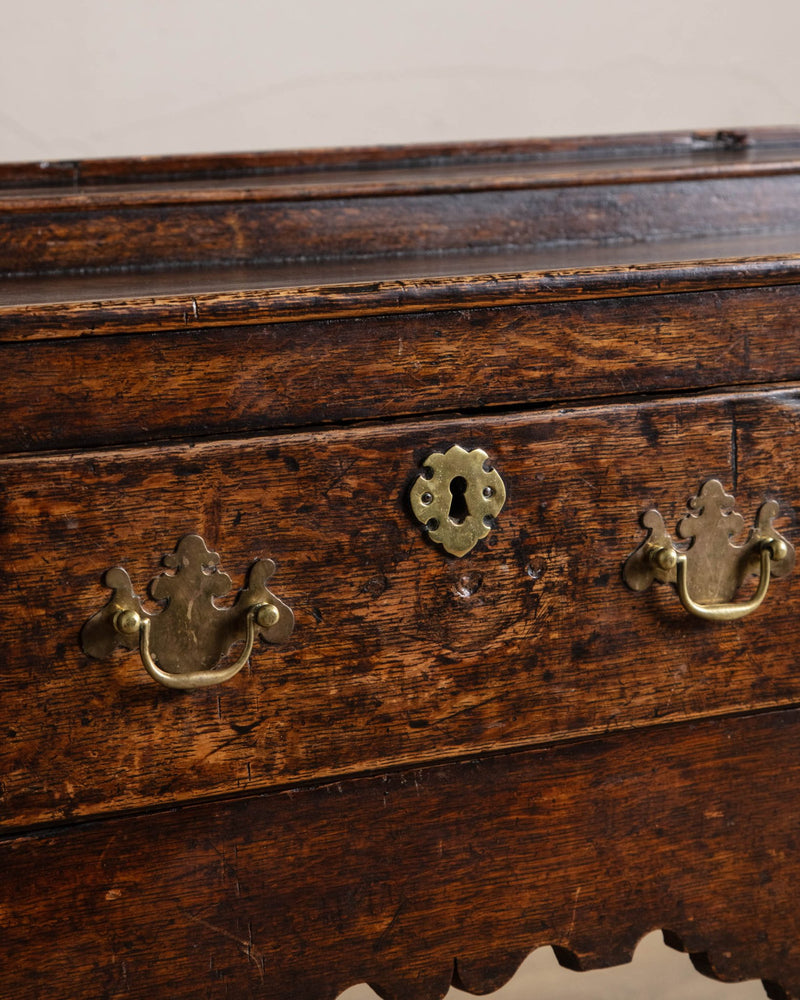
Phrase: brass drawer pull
x=191 y=628
x=712 y=568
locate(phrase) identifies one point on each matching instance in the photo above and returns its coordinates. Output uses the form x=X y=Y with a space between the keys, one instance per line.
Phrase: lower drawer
x=401 y=653
x=414 y=880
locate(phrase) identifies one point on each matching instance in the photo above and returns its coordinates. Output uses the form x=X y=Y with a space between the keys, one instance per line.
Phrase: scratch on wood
x=466 y=708
x=574 y=912
x=344 y=469
x=256 y=957
x=242 y=729
x=388 y=928
x=222 y=746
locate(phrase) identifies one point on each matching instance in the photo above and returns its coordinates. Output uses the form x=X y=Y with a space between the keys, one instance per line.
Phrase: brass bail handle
x=181 y=645
x=708 y=573
x=669 y=558
x=128 y=622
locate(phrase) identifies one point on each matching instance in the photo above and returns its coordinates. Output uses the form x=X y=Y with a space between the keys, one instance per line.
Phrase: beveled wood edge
x=201 y=310
x=136 y=170
x=420 y=182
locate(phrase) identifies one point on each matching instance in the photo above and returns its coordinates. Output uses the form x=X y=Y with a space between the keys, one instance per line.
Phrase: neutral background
x=82 y=78
x=114 y=77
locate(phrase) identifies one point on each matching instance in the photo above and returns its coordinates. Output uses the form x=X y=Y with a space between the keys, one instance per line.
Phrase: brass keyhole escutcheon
x=457 y=498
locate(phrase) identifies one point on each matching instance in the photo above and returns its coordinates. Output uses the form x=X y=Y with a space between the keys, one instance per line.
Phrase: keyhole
x=459 y=511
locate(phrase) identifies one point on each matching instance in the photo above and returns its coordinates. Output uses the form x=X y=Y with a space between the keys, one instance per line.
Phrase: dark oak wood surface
x=451 y=762
x=89 y=392
x=244 y=231
x=418 y=205
x=413 y=880
x=401 y=654
x=731 y=147
x=109 y=303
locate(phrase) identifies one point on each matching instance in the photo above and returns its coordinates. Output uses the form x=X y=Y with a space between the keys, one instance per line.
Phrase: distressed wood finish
x=401 y=654
x=246 y=379
x=413 y=880
x=452 y=761
x=109 y=303
x=241 y=229
x=327 y=209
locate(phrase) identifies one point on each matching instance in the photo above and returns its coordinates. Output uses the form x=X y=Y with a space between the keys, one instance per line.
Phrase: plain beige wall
x=112 y=77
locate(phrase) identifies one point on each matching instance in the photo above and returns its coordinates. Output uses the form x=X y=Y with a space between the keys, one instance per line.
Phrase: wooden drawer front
x=401 y=654
x=390 y=879
x=102 y=390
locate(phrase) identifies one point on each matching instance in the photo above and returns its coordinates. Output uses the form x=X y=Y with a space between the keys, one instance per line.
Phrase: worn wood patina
x=451 y=760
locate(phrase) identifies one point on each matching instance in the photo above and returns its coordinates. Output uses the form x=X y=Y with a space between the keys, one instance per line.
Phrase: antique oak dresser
x=397 y=554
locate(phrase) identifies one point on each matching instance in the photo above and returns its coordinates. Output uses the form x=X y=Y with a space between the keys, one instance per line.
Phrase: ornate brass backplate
x=457 y=498
x=181 y=645
x=710 y=570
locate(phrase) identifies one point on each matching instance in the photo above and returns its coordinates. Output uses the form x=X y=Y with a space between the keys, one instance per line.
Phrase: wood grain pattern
x=750 y=145
x=452 y=761
x=153 y=216
x=35 y=309
x=400 y=654
x=417 y=879
x=87 y=392
x=244 y=231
